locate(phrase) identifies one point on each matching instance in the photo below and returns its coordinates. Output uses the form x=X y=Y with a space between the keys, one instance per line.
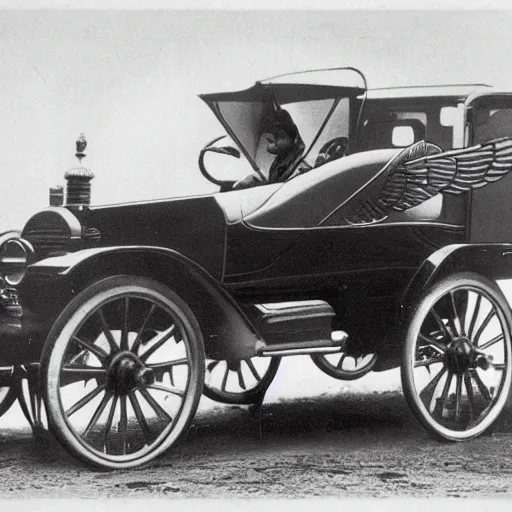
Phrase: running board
x=299 y=327
x=336 y=344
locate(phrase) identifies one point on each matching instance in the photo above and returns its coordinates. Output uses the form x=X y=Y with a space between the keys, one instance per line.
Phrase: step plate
x=295 y=322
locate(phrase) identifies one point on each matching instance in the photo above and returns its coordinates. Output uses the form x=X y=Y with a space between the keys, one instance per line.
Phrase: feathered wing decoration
x=423 y=170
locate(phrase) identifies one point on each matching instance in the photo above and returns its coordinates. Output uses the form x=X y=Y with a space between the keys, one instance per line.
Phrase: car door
x=314 y=206
x=489 y=116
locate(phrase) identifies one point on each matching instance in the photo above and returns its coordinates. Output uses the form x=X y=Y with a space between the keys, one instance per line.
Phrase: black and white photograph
x=255 y=253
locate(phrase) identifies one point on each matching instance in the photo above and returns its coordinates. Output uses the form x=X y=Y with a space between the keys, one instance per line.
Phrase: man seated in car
x=288 y=147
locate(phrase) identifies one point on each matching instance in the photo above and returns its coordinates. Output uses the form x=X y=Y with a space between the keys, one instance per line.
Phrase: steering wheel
x=332 y=150
x=224 y=150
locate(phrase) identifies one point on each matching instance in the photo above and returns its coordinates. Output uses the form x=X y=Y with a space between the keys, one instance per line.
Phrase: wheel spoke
x=123 y=423
x=33 y=404
x=428 y=362
x=441 y=402
x=475 y=316
x=427 y=393
x=80 y=355
x=225 y=378
x=456 y=321
x=74 y=374
x=85 y=400
x=241 y=381
x=96 y=416
x=340 y=362
x=251 y=366
x=440 y=323
x=107 y=332
x=211 y=366
x=140 y=416
x=482 y=327
x=458 y=397
x=138 y=339
x=124 y=331
x=481 y=386
x=168 y=365
x=464 y=310
x=471 y=396
x=83 y=372
x=24 y=406
x=160 y=412
x=430 y=341
x=490 y=343
x=110 y=418
x=94 y=349
x=167 y=389
x=158 y=341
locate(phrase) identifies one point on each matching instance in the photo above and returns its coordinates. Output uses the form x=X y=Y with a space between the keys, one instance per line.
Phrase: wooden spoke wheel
x=343 y=366
x=123 y=370
x=456 y=370
x=29 y=396
x=8 y=389
x=240 y=382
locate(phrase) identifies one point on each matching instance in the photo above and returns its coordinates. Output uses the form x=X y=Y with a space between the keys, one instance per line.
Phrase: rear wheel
x=343 y=366
x=240 y=382
x=456 y=368
x=123 y=371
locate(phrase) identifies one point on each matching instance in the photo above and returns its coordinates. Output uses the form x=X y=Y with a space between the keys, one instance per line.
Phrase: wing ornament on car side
x=423 y=170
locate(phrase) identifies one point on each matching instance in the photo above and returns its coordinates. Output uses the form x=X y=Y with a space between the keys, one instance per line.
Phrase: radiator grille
x=52 y=231
x=47 y=240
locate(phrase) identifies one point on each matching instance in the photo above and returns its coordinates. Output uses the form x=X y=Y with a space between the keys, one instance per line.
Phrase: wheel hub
x=127 y=373
x=461 y=355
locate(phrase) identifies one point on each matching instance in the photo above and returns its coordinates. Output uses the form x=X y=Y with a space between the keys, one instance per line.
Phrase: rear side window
x=402 y=123
x=393 y=129
x=403 y=136
x=492 y=124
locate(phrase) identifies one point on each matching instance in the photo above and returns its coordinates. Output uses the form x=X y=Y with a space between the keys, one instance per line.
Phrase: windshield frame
x=289 y=92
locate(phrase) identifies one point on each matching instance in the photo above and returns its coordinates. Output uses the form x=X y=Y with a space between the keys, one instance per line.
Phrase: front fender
x=227 y=330
x=491 y=260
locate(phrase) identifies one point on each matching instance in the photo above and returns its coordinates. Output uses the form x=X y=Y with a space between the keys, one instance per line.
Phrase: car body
x=284 y=268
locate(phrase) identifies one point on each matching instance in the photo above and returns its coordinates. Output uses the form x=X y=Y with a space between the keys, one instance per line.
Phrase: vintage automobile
x=382 y=249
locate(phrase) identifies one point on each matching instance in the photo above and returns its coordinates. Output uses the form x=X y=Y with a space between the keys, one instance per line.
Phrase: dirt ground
x=353 y=444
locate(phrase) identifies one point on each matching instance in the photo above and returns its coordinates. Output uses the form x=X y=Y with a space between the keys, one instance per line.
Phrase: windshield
x=322 y=105
x=318 y=121
x=337 y=126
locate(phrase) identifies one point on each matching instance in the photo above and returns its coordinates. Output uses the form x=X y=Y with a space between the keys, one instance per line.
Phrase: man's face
x=280 y=144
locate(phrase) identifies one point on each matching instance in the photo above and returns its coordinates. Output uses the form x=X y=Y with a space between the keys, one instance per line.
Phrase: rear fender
x=227 y=331
x=493 y=261
x=490 y=260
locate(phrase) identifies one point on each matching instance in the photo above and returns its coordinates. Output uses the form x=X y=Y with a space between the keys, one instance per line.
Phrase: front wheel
x=8 y=389
x=456 y=367
x=123 y=371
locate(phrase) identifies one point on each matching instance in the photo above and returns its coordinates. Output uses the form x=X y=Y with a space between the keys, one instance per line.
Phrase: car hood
x=192 y=226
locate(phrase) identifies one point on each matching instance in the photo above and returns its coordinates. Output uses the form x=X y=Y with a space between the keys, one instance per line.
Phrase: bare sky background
x=129 y=81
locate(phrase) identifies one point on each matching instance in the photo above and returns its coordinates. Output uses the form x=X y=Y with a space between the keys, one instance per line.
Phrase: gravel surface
x=350 y=445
